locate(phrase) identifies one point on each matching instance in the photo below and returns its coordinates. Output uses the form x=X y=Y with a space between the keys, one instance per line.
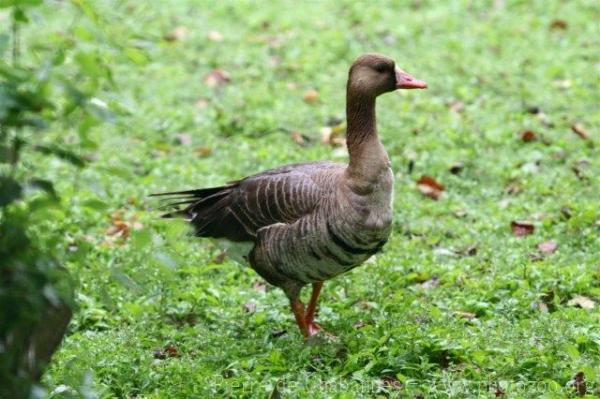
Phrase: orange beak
x=406 y=81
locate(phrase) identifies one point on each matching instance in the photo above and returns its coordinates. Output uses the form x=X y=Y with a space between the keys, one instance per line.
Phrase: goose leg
x=311 y=309
x=299 y=314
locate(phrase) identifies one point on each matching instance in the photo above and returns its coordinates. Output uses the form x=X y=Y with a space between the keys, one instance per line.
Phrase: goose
x=306 y=223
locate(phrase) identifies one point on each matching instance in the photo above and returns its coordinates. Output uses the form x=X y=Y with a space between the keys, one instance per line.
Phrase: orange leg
x=313 y=327
x=298 y=309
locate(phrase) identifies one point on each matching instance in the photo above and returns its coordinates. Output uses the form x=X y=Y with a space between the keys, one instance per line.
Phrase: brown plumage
x=306 y=223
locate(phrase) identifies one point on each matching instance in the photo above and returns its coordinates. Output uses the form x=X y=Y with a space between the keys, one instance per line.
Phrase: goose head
x=374 y=74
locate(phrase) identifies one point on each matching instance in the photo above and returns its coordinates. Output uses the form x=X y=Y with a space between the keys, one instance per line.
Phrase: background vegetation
x=490 y=290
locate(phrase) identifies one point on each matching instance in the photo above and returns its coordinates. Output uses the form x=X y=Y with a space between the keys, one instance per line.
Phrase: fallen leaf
x=579 y=167
x=547 y=247
x=465 y=315
x=514 y=188
x=522 y=228
x=580 y=130
x=391 y=383
x=250 y=307
x=430 y=284
x=299 y=138
x=203 y=151
x=220 y=258
x=217 y=77
x=171 y=351
x=167 y=351
x=429 y=187
x=360 y=324
x=566 y=212
x=119 y=228
x=310 y=96
x=579 y=383
x=528 y=136
x=259 y=286
x=563 y=84
x=202 y=103
x=582 y=301
x=334 y=135
x=471 y=250
x=179 y=33
x=456 y=168
x=184 y=138
x=499 y=392
x=292 y=85
x=558 y=24
x=215 y=36
x=456 y=106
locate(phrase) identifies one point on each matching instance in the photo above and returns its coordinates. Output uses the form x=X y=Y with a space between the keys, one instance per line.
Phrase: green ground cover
x=455 y=306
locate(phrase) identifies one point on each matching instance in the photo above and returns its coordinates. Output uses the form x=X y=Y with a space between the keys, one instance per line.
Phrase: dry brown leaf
x=311 y=96
x=118 y=228
x=359 y=324
x=179 y=33
x=167 y=351
x=334 y=135
x=292 y=85
x=299 y=138
x=580 y=130
x=582 y=301
x=391 y=383
x=465 y=315
x=558 y=24
x=203 y=151
x=430 y=284
x=184 y=138
x=429 y=187
x=259 y=286
x=250 y=307
x=528 y=136
x=456 y=106
x=202 y=103
x=522 y=228
x=579 y=168
x=514 y=188
x=220 y=258
x=215 y=36
x=217 y=77
x=579 y=383
x=548 y=247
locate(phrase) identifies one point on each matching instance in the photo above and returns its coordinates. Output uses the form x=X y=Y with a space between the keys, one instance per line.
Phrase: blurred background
x=492 y=275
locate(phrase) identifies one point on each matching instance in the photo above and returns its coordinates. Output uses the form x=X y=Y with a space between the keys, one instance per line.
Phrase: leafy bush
x=36 y=292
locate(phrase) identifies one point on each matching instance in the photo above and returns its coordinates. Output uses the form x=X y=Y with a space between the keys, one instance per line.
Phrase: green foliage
x=37 y=93
x=430 y=315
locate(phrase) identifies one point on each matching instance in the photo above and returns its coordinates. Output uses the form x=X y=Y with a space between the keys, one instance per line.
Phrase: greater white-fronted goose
x=306 y=223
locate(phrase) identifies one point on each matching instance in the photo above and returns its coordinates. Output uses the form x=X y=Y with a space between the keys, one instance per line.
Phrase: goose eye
x=380 y=68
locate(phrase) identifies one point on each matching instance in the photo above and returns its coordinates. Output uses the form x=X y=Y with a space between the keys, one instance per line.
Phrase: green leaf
x=20 y=3
x=136 y=55
x=61 y=153
x=95 y=204
x=44 y=185
x=4 y=43
x=10 y=190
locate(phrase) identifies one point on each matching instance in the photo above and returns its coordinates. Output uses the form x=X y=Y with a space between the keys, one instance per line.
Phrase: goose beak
x=406 y=81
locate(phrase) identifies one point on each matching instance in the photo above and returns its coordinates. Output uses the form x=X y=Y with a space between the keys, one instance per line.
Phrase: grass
x=424 y=317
